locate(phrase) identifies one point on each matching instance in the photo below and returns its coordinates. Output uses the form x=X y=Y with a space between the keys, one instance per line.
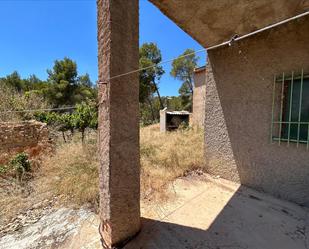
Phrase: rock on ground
x=50 y=231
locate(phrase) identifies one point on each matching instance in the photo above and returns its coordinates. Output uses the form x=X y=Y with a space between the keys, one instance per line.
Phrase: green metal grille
x=290 y=109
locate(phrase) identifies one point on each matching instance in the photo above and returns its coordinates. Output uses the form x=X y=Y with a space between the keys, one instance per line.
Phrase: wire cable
x=152 y=66
x=37 y=110
x=233 y=39
x=230 y=42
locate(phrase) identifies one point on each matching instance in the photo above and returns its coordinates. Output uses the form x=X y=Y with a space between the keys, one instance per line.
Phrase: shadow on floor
x=248 y=220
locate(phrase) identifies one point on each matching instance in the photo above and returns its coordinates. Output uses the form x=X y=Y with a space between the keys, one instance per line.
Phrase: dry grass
x=72 y=171
x=164 y=156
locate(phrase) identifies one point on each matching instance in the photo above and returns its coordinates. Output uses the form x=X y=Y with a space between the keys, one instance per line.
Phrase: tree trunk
x=151 y=108
x=158 y=93
x=191 y=91
x=190 y=85
x=63 y=135
x=83 y=136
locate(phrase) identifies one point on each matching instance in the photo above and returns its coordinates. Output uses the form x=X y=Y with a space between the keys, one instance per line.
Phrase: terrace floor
x=203 y=213
x=217 y=214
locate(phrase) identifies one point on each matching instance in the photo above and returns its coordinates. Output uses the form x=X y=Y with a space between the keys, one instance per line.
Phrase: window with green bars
x=290 y=109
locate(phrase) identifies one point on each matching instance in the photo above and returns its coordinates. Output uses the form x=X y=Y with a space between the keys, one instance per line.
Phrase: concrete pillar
x=163 y=120
x=118 y=120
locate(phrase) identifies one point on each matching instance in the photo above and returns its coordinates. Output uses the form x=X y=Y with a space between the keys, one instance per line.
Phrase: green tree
x=63 y=87
x=85 y=116
x=66 y=86
x=63 y=80
x=14 y=81
x=183 y=70
x=85 y=89
x=186 y=97
x=174 y=103
x=150 y=115
x=66 y=122
x=63 y=70
x=149 y=57
x=84 y=80
x=33 y=83
x=60 y=121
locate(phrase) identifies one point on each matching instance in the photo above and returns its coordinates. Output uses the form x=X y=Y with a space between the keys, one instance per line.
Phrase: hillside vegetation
x=71 y=172
x=67 y=102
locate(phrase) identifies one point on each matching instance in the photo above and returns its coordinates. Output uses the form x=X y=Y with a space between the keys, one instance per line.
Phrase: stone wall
x=199 y=93
x=30 y=136
x=239 y=83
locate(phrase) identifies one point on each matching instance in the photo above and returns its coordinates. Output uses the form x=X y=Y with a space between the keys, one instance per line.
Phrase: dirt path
x=206 y=213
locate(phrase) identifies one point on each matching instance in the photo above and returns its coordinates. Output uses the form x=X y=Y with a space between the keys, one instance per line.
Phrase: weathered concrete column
x=118 y=120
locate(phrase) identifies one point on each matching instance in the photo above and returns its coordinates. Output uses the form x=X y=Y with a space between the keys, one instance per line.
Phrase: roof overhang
x=200 y=69
x=211 y=22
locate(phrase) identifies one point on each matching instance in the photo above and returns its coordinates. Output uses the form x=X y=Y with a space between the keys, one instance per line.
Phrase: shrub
x=20 y=164
x=12 y=101
x=49 y=118
x=85 y=116
x=3 y=169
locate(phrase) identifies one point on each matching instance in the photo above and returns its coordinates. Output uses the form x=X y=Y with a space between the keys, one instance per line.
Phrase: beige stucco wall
x=198 y=115
x=239 y=83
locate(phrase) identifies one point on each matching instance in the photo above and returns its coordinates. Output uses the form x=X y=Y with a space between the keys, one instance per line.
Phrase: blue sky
x=35 y=33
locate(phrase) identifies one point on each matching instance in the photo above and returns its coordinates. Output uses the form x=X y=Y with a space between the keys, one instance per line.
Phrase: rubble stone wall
x=30 y=136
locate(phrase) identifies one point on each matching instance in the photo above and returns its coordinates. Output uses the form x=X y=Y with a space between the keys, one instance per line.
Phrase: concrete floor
x=215 y=214
x=209 y=213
